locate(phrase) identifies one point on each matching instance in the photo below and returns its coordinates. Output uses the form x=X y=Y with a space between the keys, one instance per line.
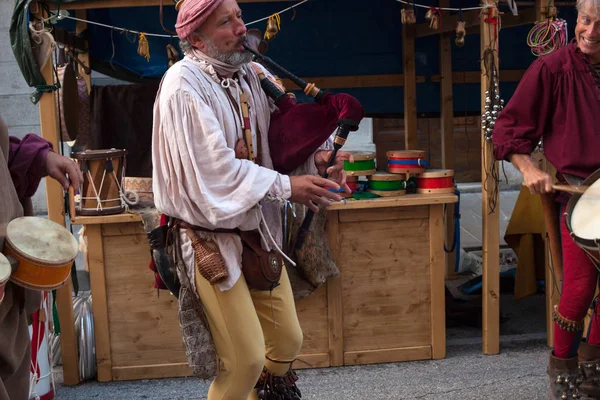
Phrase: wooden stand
x=387 y=305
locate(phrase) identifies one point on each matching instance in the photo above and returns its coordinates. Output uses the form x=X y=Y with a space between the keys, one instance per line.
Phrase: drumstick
x=72 y=202
x=570 y=189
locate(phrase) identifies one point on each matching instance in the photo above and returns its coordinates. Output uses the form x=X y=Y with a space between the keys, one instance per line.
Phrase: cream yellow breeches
x=242 y=325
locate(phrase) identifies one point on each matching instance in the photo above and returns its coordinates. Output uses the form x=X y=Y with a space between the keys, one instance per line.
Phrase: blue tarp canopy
x=323 y=38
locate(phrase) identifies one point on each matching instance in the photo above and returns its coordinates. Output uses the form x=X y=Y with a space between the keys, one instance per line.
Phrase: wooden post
x=490 y=197
x=410 y=87
x=54 y=199
x=542 y=7
x=447 y=134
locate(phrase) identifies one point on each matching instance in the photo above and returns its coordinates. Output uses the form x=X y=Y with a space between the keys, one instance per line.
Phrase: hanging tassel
x=273 y=26
x=460 y=34
x=144 y=47
x=172 y=55
x=434 y=16
x=408 y=16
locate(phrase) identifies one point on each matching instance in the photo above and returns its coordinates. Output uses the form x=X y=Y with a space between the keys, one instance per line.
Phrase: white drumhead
x=4 y=268
x=42 y=240
x=585 y=220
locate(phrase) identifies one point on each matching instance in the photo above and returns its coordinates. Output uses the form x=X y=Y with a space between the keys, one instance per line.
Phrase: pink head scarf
x=192 y=14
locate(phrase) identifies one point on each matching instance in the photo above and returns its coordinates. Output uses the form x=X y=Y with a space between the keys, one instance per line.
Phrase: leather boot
x=563 y=378
x=272 y=387
x=589 y=367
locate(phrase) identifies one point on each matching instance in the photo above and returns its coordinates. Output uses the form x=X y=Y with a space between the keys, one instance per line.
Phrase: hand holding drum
x=37 y=254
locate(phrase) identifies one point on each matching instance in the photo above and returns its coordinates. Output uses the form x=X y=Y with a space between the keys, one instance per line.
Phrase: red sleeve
x=27 y=163
x=519 y=127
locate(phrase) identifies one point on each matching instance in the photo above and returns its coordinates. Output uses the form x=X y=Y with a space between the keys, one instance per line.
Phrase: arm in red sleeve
x=27 y=163
x=521 y=124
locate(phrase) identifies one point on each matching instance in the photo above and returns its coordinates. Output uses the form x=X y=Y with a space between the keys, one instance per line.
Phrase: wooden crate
x=386 y=306
x=385 y=282
x=137 y=330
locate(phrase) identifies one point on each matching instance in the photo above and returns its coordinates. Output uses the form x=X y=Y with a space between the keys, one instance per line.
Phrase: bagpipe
x=297 y=130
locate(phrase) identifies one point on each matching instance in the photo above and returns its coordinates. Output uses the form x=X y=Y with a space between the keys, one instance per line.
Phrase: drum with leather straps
x=102 y=188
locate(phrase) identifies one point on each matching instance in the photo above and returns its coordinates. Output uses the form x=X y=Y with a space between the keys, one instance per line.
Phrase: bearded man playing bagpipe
x=213 y=176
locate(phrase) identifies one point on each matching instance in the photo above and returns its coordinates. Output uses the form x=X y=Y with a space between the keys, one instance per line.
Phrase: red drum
x=406 y=161
x=436 y=181
x=4 y=274
x=352 y=182
x=582 y=217
x=102 y=190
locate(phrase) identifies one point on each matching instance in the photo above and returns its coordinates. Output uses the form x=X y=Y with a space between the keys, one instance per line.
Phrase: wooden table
x=387 y=304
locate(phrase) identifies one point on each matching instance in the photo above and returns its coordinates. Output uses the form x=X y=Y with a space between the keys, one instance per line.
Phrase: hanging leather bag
x=262 y=269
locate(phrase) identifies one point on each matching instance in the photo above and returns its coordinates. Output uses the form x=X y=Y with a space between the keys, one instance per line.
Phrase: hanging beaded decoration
x=493 y=103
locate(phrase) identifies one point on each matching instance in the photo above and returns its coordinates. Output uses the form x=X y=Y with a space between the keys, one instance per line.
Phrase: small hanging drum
x=44 y=251
x=4 y=274
x=363 y=165
x=436 y=181
x=103 y=171
x=406 y=161
x=387 y=185
x=582 y=217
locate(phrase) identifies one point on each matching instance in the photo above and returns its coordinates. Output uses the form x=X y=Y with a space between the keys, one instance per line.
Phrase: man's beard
x=234 y=58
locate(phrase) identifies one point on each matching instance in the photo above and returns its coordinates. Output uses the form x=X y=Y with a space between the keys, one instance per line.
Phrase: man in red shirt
x=558 y=101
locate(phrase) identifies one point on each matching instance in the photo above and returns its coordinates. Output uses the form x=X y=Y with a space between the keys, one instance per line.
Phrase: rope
x=282 y=11
x=412 y=3
x=138 y=33
x=547 y=36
